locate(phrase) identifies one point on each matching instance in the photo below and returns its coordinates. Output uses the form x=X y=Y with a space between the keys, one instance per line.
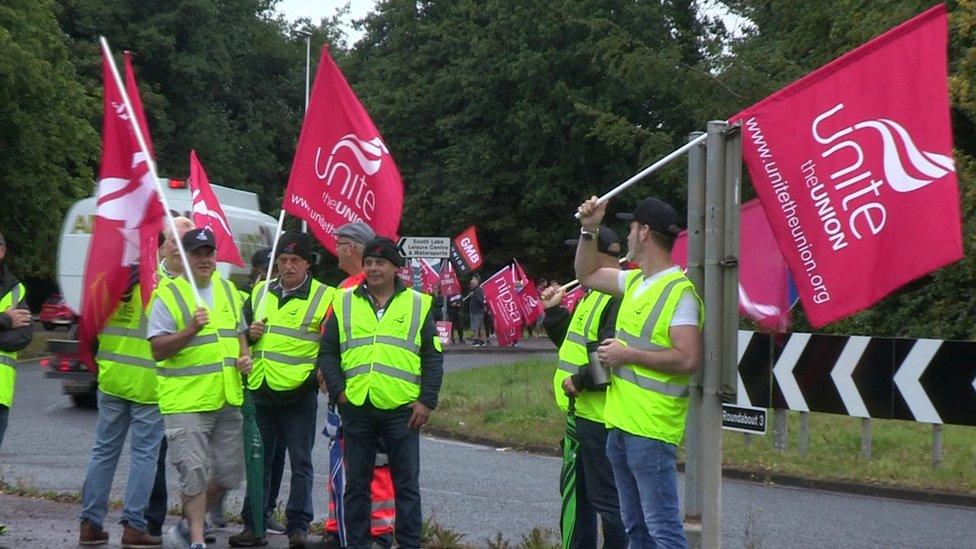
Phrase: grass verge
x=513 y=405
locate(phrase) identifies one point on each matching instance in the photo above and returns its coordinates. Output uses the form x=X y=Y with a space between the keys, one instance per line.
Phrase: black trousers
x=596 y=491
x=363 y=427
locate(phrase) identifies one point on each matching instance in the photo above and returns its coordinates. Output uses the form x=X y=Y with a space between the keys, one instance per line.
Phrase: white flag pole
x=151 y=164
x=650 y=169
x=267 y=278
x=576 y=281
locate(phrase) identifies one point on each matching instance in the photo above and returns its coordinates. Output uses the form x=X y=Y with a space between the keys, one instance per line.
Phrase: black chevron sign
x=925 y=380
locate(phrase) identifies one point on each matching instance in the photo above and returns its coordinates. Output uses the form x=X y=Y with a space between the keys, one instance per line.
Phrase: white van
x=252 y=230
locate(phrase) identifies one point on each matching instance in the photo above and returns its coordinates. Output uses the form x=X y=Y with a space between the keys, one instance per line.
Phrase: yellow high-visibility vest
x=573 y=356
x=642 y=401
x=126 y=368
x=8 y=373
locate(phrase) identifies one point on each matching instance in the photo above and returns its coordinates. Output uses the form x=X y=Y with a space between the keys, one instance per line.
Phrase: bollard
x=936 y=445
x=866 y=439
x=779 y=429
x=803 y=434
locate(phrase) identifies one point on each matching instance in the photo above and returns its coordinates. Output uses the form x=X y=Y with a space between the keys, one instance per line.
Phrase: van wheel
x=88 y=401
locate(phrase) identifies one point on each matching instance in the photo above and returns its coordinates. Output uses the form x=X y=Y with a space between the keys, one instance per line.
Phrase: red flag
x=429 y=277
x=342 y=171
x=466 y=245
x=450 y=285
x=406 y=275
x=127 y=214
x=853 y=166
x=208 y=214
x=763 y=273
x=529 y=296
x=506 y=309
x=572 y=297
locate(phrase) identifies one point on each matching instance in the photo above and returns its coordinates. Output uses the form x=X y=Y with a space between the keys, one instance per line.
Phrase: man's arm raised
x=588 y=270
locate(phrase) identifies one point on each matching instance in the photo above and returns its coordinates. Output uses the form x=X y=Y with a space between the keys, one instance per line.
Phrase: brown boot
x=137 y=539
x=88 y=534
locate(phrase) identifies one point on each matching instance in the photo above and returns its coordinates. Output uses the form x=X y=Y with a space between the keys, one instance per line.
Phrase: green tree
x=47 y=145
x=224 y=78
x=507 y=115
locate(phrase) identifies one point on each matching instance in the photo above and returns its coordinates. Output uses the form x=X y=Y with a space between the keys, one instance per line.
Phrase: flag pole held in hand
x=649 y=170
x=151 y=164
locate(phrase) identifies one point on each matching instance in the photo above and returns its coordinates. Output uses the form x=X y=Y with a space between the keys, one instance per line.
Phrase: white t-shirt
x=685 y=314
x=162 y=323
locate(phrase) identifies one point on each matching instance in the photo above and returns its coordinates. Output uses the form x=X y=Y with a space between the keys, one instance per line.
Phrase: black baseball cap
x=655 y=213
x=198 y=238
x=384 y=248
x=607 y=242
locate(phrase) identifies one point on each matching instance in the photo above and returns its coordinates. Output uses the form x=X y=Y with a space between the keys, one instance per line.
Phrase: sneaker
x=246 y=539
x=298 y=538
x=178 y=535
x=199 y=545
x=137 y=539
x=89 y=534
x=272 y=526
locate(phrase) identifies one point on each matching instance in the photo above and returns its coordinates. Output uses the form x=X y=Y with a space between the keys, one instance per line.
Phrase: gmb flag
x=342 y=171
x=853 y=166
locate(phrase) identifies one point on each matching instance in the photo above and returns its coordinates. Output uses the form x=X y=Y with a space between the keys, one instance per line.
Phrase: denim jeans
x=647 y=482
x=363 y=427
x=596 y=494
x=295 y=424
x=115 y=417
x=4 y=412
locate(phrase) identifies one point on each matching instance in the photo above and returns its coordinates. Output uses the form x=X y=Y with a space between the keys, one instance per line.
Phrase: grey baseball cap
x=358 y=232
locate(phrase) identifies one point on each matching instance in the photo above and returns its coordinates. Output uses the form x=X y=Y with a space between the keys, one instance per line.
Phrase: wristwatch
x=588 y=235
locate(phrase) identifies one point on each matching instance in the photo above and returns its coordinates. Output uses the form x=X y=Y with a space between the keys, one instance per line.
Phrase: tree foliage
x=47 y=146
x=500 y=114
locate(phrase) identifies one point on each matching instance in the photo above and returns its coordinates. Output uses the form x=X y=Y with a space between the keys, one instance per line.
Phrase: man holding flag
x=577 y=394
x=118 y=280
x=200 y=358
x=658 y=345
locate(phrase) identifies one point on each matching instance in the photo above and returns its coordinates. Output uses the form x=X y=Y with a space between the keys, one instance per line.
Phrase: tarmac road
x=471 y=489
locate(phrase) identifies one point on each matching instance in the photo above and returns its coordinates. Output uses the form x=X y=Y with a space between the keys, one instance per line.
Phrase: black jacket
x=12 y=340
x=431 y=360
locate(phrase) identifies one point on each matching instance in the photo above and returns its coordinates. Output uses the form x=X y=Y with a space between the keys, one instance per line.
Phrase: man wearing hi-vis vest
x=577 y=391
x=658 y=345
x=127 y=403
x=201 y=350
x=285 y=326
x=15 y=333
x=170 y=267
x=382 y=363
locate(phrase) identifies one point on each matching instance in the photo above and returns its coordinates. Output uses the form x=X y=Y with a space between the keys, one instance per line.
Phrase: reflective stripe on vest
x=8 y=374
x=285 y=356
x=126 y=368
x=380 y=357
x=202 y=376
x=574 y=357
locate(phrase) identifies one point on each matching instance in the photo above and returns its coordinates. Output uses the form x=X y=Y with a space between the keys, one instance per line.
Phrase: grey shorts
x=205 y=446
x=477 y=322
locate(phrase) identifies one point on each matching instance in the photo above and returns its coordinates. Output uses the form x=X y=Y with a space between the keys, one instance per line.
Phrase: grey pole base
x=693 y=533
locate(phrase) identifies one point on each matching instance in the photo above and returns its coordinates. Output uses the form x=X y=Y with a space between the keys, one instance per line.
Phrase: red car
x=56 y=312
